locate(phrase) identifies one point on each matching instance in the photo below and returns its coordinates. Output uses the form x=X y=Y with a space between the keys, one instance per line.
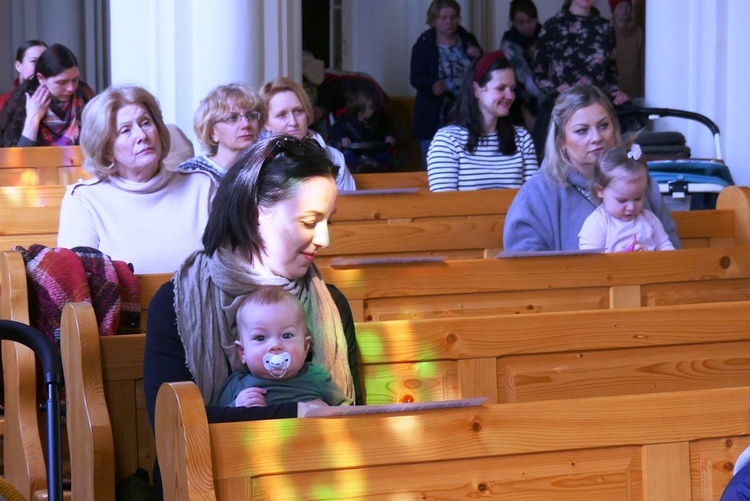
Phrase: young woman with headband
x=480 y=148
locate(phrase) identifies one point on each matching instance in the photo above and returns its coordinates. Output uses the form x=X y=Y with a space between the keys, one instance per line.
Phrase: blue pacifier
x=277 y=365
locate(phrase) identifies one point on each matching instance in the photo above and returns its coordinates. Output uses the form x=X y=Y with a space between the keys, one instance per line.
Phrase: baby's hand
x=390 y=140
x=251 y=397
x=346 y=142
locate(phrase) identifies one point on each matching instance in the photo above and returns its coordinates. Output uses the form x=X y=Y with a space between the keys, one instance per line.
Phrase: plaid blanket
x=57 y=276
x=61 y=126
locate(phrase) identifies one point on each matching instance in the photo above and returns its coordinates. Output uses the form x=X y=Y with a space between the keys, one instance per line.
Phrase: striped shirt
x=451 y=167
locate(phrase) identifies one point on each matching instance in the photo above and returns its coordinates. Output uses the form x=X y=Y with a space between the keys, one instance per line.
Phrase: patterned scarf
x=206 y=291
x=61 y=126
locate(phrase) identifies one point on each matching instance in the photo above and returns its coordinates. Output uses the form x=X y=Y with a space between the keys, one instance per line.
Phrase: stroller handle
x=654 y=113
x=42 y=346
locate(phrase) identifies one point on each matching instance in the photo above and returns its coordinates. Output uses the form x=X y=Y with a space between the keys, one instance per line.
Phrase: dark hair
x=614 y=158
x=358 y=101
x=21 y=51
x=261 y=176
x=52 y=62
x=525 y=6
x=466 y=113
x=434 y=9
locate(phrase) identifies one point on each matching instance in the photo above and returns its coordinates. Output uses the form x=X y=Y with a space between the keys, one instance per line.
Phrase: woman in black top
x=269 y=219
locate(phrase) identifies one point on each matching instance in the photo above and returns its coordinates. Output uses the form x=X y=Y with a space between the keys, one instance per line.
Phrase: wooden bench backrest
x=456 y=225
x=42 y=165
x=537 y=284
x=652 y=446
x=518 y=358
x=117 y=367
x=506 y=358
x=389 y=180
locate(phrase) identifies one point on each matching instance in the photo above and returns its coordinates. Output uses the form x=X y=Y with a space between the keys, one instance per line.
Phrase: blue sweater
x=546 y=215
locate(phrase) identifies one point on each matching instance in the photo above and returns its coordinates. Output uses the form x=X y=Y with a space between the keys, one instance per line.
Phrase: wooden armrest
x=89 y=426
x=182 y=442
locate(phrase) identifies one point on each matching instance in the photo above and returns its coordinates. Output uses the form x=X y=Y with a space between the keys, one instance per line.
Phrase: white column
x=180 y=50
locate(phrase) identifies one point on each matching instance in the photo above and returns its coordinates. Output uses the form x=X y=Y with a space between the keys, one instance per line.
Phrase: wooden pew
x=543 y=284
x=385 y=180
x=619 y=447
x=116 y=442
x=456 y=225
x=42 y=165
x=506 y=358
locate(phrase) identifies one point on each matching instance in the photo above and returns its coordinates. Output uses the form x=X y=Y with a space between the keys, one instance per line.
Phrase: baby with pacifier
x=273 y=343
x=621 y=223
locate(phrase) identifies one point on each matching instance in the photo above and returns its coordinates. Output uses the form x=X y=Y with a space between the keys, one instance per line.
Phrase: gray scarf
x=206 y=291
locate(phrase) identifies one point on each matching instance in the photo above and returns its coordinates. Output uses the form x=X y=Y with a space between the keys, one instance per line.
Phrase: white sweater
x=153 y=225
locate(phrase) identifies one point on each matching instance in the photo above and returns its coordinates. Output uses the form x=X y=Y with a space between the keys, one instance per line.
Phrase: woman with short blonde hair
x=134 y=209
x=228 y=120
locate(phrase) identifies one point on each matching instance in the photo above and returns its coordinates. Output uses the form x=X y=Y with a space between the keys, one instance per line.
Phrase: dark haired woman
x=27 y=55
x=46 y=109
x=519 y=45
x=481 y=148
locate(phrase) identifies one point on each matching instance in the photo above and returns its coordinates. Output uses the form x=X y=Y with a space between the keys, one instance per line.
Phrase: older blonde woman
x=227 y=121
x=134 y=210
x=289 y=111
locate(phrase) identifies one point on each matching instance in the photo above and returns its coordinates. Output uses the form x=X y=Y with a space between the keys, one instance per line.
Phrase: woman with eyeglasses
x=289 y=111
x=134 y=209
x=227 y=121
x=269 y=220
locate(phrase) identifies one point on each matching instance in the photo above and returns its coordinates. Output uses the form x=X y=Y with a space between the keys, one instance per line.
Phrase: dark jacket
x=424 y=74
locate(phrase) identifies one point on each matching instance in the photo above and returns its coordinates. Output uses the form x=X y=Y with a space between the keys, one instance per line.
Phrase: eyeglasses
x=233 y=118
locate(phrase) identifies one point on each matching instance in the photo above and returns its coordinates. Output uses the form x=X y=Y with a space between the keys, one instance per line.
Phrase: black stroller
x=46 y=351
x=685 y=182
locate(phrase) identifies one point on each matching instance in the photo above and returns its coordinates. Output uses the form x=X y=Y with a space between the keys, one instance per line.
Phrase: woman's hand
x=345 y=142
x=304 y=407
x=473 y=52
x=390 y=140
x=620 y=97
x=36 y=107
x=251 y=397
x=438 y=87
x=38 y=103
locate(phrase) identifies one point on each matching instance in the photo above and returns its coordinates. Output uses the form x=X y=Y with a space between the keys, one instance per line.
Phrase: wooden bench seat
x=41 y=165
x=663 y=446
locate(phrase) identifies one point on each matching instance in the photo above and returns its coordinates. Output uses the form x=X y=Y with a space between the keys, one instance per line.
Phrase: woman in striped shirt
x=481 y=148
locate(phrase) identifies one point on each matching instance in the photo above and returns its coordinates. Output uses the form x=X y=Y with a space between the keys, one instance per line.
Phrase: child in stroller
x=363 y=134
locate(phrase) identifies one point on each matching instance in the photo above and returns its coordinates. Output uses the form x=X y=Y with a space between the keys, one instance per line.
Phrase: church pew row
x=469 y=287
x=41 y=166
x=652 y=447
x=505 y=358
x=123 y=371
x=455 y=225
x=63 y=165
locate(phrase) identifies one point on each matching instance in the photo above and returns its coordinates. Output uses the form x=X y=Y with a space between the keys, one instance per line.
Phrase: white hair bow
x=635 y=152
